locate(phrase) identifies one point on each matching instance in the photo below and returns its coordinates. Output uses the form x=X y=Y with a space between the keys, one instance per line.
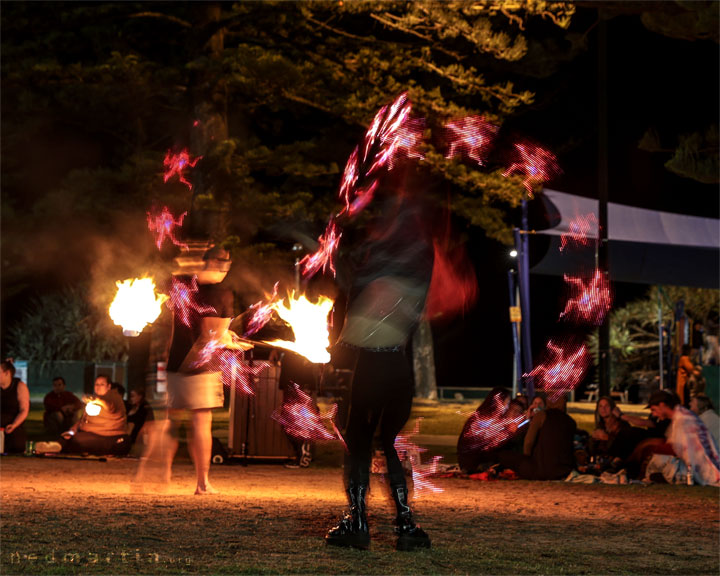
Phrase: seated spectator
x=517 y=421
x=607 y=428
x=523 y=399
x=483 y=431
x=102 y=430
x=538 y=403
x=119 y=388
x=689 y=448
x=15 y=406
x=703 y=407
x=548 y=452
x=139 y=411
x=61 y=407
x=696 y=383
x=614 y=439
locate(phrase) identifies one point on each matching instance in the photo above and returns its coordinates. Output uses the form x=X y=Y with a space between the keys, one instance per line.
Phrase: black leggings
x=382 y=393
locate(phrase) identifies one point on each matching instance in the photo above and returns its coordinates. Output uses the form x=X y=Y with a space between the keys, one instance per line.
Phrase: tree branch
x=161 y=16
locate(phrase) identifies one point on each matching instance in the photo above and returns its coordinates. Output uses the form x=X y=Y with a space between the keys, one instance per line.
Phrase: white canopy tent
x=645 y=246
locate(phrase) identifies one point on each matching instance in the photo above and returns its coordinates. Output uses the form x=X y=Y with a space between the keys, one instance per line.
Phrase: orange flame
x=309 y=325
x=136 y=305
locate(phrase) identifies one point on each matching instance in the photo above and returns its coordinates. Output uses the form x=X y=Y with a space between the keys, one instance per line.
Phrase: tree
x=634 y=328
x=65 y=326
x=272 y=95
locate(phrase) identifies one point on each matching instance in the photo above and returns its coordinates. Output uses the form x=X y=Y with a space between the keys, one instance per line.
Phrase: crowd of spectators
x=674 y=444
x=535 y=439
x=99 y=424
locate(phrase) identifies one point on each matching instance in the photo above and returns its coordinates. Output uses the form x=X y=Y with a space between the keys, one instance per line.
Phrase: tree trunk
x=209 y=129
x=424 y=362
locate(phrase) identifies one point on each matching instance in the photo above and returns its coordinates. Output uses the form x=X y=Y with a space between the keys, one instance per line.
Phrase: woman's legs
x=201 y=449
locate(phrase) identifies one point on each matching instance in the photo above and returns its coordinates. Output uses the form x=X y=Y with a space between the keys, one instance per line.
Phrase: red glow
x=403 y=444
x=490 y=426
x=453 y=287
x=183 y=301
x=391 y=133
x=261 y=313
x=579 y=231
x=421 y=473
x=537 y=164
x=301 y=419
x=562 y=369
x=177 y=164
x=323 y=256
x=471 y=136
x=589 y=300
x=421 y=477
x=163 y=225
x=237 y=372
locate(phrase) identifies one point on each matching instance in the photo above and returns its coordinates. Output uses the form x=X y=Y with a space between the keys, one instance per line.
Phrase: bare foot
x=207 y=489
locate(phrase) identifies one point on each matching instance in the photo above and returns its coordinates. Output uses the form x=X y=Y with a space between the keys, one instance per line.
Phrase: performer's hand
x=9 y=428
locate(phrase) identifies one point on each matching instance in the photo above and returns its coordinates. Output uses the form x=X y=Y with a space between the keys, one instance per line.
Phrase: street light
x=513 y=253
x=297 y=248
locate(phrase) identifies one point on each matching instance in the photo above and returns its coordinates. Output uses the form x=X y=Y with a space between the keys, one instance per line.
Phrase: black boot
x=353 y=529
x=410 y=535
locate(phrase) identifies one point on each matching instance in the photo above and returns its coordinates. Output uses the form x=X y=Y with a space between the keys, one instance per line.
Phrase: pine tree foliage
x=64 y=326
x=273 y=95
x=634 y=328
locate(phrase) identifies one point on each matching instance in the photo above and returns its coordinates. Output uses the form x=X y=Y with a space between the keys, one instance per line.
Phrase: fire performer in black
x=390 y=271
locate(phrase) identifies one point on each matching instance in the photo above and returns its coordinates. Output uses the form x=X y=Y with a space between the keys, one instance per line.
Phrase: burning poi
x=136 y=305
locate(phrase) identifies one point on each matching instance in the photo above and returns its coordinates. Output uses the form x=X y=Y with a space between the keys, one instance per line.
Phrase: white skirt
x=195 y=391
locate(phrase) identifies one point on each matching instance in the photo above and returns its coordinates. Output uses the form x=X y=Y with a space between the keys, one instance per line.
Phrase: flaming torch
x=309 y=325
x=136 y=305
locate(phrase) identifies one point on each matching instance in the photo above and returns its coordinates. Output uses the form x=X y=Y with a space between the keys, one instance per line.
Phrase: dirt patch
x=86 y=517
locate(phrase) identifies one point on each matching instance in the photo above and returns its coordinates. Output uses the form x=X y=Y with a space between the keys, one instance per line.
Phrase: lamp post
x=297 y=248
x=523 y=267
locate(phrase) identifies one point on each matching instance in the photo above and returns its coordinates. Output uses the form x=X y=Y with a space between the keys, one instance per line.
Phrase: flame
x=323 y=256
x=261 y=313
x=472 y=136
x=301 y=418
x=163 y=226
x=590 y=300
x=93 y=408
x=309 y=323
x=136 y=305
x=177 y=164
x=421 y=473
x=579 y=231
x=183 y=301
x=538 y=165
x=563 y=368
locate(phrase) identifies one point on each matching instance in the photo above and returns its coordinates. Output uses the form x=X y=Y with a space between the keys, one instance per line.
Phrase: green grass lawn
x=438 y=418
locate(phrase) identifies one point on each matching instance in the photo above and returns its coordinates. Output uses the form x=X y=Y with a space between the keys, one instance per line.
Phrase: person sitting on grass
x=139 y=411
x=61 y=407
x=689 y=450
x=102 y=429
x=15 y=405
x=548 y=451
x=703 y=407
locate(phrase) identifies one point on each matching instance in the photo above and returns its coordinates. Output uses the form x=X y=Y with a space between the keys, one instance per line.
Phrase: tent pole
x=521 y=245
x=602 y=246
x=517 y=367
x=660 y=338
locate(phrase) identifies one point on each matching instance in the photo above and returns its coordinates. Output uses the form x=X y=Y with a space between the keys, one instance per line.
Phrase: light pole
x=297 y=248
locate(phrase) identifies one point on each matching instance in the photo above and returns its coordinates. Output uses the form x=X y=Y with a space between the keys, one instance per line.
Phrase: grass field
x=74 y=516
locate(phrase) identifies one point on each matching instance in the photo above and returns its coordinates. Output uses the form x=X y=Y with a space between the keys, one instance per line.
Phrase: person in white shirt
x=703 y=407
